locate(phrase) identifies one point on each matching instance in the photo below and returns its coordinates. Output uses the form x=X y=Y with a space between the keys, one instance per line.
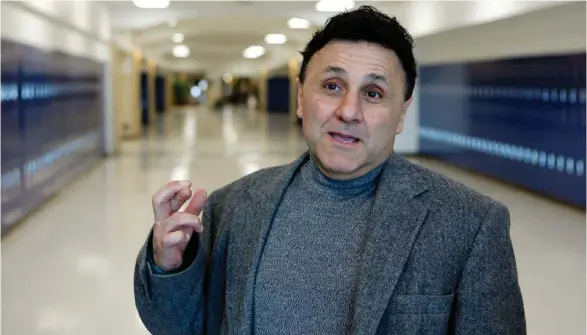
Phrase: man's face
x=352 y=106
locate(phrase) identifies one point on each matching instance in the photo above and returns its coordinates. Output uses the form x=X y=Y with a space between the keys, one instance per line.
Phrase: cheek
x=381 y=126
x=318 y=106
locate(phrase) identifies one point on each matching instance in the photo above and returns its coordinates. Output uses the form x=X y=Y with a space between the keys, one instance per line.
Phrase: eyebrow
x=370 y=76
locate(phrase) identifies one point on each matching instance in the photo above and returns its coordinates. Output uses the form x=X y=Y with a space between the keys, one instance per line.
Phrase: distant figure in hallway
x=251 y=102
x=348 y=239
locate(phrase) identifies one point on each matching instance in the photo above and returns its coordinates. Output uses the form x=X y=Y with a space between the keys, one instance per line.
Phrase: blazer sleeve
x=174 y=303
x=488 y=298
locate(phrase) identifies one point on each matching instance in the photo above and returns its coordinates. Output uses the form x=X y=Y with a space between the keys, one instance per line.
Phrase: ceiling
x=217 y=32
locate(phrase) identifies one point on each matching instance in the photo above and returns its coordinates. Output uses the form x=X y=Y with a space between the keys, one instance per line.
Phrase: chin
x=341 y=167
x=338 y=164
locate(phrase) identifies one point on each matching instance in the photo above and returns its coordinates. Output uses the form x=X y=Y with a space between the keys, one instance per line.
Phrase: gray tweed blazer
x=439 y=260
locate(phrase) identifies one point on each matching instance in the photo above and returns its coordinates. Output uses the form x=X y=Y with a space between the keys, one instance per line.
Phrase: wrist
x=151 y=259
x=157 y=269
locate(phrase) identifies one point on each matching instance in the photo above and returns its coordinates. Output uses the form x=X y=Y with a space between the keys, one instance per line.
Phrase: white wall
x=124 y=40
x=407 y=142
x=555 y=30
x=79 y=28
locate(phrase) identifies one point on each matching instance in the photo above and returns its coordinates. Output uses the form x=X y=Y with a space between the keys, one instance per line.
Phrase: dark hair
x=366 y=24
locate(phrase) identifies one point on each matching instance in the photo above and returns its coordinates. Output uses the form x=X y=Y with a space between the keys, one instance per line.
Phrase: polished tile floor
x=68 y=269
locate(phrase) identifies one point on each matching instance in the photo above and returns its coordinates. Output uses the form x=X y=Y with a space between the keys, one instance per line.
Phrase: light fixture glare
x=275 y=39
x=151 y=4
x=334 y=5
x=297 y=23
x=254 y=51
x=178 y=37
x=181 y=51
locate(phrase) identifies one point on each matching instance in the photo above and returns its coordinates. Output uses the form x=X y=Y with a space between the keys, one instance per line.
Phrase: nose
x=349 y=110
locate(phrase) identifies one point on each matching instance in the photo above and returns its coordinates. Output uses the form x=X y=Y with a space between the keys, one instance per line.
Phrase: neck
x=364 y=170
x=322 y=182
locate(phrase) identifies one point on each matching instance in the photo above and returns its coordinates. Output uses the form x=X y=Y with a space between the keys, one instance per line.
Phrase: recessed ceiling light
x=297 y=23
x=181 y=51
x=151 y=4
x=254 y=51
x=178 y=37
x=195 y=92
x=203 y=84
x=275 y=39
x=334 y=5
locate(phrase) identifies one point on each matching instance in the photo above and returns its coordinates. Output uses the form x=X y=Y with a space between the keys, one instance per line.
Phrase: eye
x=332 y=86
x=374 y=94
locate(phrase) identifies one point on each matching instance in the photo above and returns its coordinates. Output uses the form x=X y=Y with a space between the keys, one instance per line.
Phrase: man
x=348 y=239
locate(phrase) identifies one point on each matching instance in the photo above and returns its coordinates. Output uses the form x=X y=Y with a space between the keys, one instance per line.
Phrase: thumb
x=197 y=203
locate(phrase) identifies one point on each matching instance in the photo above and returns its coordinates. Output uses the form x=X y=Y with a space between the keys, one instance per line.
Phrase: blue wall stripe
x=550 y=160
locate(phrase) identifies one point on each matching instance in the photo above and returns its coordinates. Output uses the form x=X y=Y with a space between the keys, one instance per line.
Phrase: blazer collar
x=277 y=186
x=265 y=195
x=396 y=219
x=398 y=176
x=401 y=177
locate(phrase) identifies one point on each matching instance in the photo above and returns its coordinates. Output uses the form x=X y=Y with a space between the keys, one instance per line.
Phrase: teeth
x=344 y=139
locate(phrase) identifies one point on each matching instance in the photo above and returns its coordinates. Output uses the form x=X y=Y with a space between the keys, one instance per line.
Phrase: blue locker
x=278 y=95
x=51 y=124
x=160 y=93
x=521 y=120
x=144 y=98
x=11 y=142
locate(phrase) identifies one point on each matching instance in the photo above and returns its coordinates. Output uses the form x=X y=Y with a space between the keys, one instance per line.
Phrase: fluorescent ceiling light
x=195 y=91
x=334 y=5
x=297 y=23
x=254 y=51
x=275 y=39
x=203 y=85
x=178 y=37
x=151 y=4
x=181 y=51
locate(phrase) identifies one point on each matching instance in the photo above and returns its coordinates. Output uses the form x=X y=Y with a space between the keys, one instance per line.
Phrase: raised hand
x=173 y=229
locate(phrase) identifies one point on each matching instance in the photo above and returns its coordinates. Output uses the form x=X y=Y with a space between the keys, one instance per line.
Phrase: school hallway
x=68 y=268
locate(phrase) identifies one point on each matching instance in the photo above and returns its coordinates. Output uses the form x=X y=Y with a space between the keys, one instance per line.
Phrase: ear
x=402 y=116
x=300 y=98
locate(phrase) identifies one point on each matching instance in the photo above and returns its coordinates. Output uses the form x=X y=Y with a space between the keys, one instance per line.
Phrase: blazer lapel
x=396 y=218
x=248 y=240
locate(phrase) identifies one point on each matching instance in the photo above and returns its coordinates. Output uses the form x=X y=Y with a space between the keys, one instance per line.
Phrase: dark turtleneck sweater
x=309 y=269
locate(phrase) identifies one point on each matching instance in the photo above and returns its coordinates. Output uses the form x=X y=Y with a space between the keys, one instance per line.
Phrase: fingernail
x=185 y=183
x=187 y=237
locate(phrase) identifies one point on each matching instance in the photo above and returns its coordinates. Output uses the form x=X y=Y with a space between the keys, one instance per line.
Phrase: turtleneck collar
x=312 y=175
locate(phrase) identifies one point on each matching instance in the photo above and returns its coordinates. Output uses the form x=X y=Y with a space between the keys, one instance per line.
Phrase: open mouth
x=343 y=138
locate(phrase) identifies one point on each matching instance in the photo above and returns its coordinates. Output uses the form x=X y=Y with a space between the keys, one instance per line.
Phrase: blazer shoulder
x=453 y=195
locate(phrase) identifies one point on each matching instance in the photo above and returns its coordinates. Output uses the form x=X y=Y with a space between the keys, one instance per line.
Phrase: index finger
x=162 y=199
